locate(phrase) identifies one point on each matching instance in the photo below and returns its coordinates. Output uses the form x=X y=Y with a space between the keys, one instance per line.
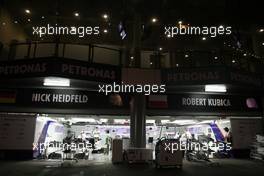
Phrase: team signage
x=62 y=99
x=181 y=76
x=212 y=102
x=201 y=103
x=59 y=98
x=60 y=67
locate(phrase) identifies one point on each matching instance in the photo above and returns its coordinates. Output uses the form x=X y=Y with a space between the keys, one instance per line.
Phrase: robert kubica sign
x=207 y=103
x=211 y=102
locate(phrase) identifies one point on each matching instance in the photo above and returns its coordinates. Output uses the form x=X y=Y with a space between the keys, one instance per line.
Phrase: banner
x=64 y=99
x=207 y=103
x=60 y=67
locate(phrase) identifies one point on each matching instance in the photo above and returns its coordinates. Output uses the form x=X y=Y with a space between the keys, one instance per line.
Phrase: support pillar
x=138 y=121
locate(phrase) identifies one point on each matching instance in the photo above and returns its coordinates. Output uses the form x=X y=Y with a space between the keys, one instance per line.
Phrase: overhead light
x=215 y=57
x=105 y=16
x=150 y=121
x=151 y=63
x=3 y=23
x=15 y=22
x=131 y=57
x=105 y=30
x=204 y=38
x=179 y=22
x=154 y=20
x=121 y=121
x=186 y=55
x=261 y=30
x=76 y=14
x=233 y=61
x=160 y=49
x=43 y=17
x=29 y=20
x=177 y=65
x=27 y=11
x=215 y=88
x=165 y=121
x=169 y=36
x=263 y=44
x=104 y=120
x=245 y=54
x=56 y=81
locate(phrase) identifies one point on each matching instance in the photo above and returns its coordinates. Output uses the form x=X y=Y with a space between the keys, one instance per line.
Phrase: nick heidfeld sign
x=59 y=98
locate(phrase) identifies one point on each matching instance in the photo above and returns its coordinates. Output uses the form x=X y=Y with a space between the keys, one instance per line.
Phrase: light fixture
x=165 y=121
x=151 y=63
x=177 y=65
x=105 y=16
x=131 y=57
x=215 y=88
x=43 y=17
x=186 y=55
x=169 y=36
x=105 y=31
x=150 y=121
x=27 y=11
x=154 y=20
x=233 y=61
x=76 y=14
x=15 y=22
x=179 y=22
x=160 y=49
x=261 y=30
x=215 y=57
x=3 y=23
x=263 y=44
x=204 y=38
x=245 y=54
x=104 y=120
x=28 y=19
x=56 y=81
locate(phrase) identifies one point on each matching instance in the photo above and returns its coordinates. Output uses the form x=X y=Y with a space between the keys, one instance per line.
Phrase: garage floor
x=103 y=168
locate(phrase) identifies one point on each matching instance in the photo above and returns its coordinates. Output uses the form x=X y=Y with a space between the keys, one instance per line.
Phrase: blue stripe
x=217 y=132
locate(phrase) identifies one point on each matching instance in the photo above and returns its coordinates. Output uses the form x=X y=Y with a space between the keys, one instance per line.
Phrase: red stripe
x=7 y=94
x=158 y=104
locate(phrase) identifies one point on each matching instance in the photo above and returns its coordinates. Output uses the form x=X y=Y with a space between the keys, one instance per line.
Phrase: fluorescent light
x=150 y=121
x=104 y=120
x=215 y=88
x=165 y=121
x=56 y=81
